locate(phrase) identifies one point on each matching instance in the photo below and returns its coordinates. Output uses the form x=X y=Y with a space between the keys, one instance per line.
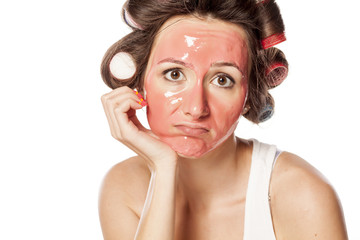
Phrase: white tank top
x=258 y=221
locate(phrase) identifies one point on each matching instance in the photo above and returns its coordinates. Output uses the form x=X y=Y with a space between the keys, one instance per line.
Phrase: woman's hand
x=120 y=107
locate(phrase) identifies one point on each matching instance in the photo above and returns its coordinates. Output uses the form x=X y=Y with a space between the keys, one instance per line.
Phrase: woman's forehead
x=193 y=39
x=193 y=27
x=205 y=22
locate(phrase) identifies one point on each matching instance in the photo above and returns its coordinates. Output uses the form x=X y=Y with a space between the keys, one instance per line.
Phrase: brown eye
x=174 y=75
x=223 y=81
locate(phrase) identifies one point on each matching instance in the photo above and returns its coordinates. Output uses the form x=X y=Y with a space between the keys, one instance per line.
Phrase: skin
x=161 y=195
x=196 y=88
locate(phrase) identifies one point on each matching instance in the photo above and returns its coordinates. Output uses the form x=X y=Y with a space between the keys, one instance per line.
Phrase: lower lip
x=192 y=131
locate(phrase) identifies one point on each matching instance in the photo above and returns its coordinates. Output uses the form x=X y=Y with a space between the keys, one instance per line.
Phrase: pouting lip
x=192 y=129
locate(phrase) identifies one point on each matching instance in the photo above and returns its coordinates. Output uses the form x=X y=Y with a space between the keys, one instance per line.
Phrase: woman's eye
x=174 y=75
x=223 y=81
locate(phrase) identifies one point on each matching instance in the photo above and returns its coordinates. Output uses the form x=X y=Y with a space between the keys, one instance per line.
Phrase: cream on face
x=196 y=83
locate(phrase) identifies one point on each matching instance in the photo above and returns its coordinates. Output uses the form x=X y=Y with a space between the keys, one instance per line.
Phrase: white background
x=55 y=145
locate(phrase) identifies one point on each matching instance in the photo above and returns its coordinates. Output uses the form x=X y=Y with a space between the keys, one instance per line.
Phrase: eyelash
x=167 y=71
x=225 y=76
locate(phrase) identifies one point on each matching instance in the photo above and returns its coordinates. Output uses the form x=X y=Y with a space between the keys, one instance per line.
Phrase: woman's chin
x=190 y=151
x=190 y=154
x=192 y=147
x=188 y=147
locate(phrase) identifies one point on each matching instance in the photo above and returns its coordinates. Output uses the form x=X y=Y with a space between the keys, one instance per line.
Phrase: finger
x=122 y=111
x=138 y=124
x=140 y=141
x=113 y=99
x=119 y=91
x=116 y=98
x=124 y=90
x=105 y=103
x=120 y=116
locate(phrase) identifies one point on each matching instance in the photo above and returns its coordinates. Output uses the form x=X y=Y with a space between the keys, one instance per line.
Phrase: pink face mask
x=196 y=83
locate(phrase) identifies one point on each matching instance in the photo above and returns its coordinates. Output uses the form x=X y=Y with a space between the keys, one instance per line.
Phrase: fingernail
x=142 y=101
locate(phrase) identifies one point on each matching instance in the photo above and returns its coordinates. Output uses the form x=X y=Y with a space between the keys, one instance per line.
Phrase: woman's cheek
x=226 y=112
x=226 y=118
x=160 y=111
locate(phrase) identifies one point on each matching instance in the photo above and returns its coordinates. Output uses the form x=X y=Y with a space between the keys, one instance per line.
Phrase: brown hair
x=260 y=20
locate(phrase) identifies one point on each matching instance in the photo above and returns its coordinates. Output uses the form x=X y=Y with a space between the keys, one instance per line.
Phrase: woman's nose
x=196 y=105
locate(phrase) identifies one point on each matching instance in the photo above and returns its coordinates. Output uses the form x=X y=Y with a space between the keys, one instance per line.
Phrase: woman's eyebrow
x=227 y=64
x=172 y=60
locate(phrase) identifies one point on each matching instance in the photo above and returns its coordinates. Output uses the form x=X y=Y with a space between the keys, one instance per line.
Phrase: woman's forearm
x=158 y=216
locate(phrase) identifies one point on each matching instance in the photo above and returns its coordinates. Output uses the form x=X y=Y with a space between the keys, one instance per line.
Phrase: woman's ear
x=122 y=66
x=245 y=109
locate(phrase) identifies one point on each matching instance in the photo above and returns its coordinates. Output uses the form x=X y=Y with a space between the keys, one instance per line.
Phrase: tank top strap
x=258 y=221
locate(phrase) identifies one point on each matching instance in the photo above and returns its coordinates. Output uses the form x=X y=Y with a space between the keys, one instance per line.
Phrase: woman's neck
x=215 y=177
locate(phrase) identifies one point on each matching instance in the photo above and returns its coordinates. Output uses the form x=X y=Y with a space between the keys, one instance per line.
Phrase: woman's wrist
x=163 y=164
x=166 y=167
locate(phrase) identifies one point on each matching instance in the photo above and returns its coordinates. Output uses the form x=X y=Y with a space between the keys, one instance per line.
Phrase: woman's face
x=196 y=83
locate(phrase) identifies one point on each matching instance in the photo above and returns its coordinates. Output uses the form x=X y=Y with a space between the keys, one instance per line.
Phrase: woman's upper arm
x=118 y=196
x=304 y=205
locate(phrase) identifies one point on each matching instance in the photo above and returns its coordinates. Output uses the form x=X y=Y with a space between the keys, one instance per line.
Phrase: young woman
x=198 y=66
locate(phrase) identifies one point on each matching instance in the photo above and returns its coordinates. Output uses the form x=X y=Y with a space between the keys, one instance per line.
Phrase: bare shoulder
x=304 y=204
x=122 y=196
x=127 y=180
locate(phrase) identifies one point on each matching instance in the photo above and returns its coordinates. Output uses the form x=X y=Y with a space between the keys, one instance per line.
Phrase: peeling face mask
x=196 y=84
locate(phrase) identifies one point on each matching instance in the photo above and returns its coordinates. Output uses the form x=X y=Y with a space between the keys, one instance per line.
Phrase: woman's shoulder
x=304 y=201
x=133 y=167
x=291 y=170
x=126 y=182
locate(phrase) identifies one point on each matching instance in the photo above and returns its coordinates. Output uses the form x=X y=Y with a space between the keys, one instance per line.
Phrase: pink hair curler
x=276 y=74
x=130 y=21
x=273 y=40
